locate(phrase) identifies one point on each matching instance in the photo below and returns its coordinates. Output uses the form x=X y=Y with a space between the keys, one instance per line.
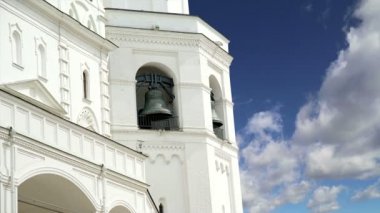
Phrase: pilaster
x=64 y=78
x=105 y=98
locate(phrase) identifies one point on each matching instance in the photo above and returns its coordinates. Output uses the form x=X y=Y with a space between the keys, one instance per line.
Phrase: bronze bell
x=216 y=121
x=155 y=106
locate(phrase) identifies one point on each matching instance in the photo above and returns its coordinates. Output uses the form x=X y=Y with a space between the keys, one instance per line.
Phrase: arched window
x=16 y=48
x=41 y=61
x=85 y=85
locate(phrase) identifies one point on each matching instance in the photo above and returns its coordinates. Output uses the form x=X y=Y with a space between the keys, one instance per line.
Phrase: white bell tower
x=192 y=164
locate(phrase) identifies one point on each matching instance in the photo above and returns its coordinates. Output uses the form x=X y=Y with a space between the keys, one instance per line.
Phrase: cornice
x=169 y=38
x=194 y=86
x=70 y=23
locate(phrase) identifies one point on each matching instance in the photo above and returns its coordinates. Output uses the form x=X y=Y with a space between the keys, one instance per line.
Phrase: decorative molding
x=215 y=67
x=69 y=23
x=41 y=58
x=35 y=92
x=222 y=167
x=84 y=67
x=195 y=85
x=87 y=119
x=172 y=54
x=12 y=28
x=167 y=157
x=169 y=147
x=223 y=155
x=39 y=41
x=17 y=45
x=197 y=40
x=122 y=82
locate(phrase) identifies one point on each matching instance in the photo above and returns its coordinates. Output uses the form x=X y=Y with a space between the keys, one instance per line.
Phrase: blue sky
x=305 y=82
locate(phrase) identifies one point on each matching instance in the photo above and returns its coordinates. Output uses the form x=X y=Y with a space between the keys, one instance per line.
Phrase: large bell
x=216 y=121
x=155 y=106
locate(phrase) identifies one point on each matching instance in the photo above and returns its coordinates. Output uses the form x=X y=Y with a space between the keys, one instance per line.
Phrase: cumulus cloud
x=263 y=123
x=324 y=199
x=271 y=174
x=341 y=127
x=371 y=192
x=336 y=137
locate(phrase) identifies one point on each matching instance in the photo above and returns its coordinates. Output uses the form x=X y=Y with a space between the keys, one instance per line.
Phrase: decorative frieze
x=129 y=35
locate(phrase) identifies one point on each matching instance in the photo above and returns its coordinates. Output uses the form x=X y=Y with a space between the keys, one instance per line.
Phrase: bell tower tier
x=171 y=100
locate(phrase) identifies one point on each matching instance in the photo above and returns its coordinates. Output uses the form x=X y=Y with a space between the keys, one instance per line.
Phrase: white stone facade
x=70 y=135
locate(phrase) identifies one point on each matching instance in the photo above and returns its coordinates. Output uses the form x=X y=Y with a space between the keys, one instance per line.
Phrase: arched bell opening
x=119 y=209
x=217 y=112
x=155 y=99
x=49 y=193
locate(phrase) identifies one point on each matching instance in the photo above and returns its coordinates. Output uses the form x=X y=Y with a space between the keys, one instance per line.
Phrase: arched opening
x=16 y=48
x=85 y=84
x=41 y=61
x=155 y=99
x=49 y=193
x=119 y=209
x=217 y=111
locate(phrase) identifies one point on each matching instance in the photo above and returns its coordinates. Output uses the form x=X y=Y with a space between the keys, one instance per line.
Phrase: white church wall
x=67 y=56
x=170 y=187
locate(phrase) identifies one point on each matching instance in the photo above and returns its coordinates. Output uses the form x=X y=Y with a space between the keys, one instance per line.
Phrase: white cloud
x=263 y=123
x=344 y=120
x=324 y=161
x=271 y=174
x=324 y=199
x=337 y=133
x=371 y=192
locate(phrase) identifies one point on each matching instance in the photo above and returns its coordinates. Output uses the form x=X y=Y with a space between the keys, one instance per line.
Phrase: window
x=85 y=84
x=16 y=47
x=41 y=61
